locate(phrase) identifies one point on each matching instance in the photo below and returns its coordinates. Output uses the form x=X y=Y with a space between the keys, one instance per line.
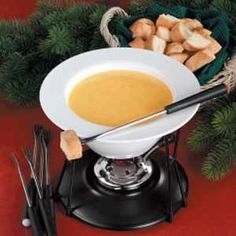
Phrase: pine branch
x=215 y=105
x=224 y=121
x=226 y=5
x=139 y=7
x=202 y=136
x=7 y=46
x=220 y=159
x=23 y=91
x=97 y=41
x=54 y=18
x=217 y=131
x=199 y=3
x=183 y=2
x=96 y=15
x=58 y=42
x=14 y=66
x=46 y=7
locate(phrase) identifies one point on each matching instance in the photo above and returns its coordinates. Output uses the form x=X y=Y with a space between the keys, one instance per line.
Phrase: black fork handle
x=197 y=98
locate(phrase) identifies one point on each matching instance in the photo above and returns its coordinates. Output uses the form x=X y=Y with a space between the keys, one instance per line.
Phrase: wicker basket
x=226 y=76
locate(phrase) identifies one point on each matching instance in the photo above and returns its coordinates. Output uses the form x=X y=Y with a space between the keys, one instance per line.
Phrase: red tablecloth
x=211 y=205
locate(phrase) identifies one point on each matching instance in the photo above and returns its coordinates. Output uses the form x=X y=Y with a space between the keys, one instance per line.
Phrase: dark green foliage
x=220 y=159
x=200 y=4
x=228 y=6
x=216 y=131
x=138 y=7
x=201 y=139
x=58 y=42
x=30 y=49
x=224 y=120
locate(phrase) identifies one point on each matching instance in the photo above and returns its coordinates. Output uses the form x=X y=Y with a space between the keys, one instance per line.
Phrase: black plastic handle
x=197 y=98
x=32 y=192
x=46 y=217
x=50 y=203
x=35 y=223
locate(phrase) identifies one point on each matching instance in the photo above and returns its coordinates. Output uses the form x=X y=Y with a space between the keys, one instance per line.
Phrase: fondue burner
x=125 y=194
x=125 y=174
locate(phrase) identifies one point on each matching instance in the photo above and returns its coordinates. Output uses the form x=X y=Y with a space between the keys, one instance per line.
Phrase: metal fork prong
x=47 y=136
x=22 y=179
x=37 y=130
x=27 y=154
x=29 y=161
x=45 y=142
x=42 y=161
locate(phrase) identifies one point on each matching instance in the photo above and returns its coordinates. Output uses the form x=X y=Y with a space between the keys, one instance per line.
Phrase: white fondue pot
x=134 y=141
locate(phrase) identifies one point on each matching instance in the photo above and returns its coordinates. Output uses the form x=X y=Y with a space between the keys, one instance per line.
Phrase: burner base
x=122 y=210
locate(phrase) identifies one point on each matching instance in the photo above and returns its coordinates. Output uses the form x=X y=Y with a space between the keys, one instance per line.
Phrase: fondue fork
x=48 y=189
x=35 y=222
x=31 y=186
x=169 y=109
x=47 y=220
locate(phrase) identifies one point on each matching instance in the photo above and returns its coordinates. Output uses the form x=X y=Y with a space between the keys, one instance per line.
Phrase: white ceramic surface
x=133 y=141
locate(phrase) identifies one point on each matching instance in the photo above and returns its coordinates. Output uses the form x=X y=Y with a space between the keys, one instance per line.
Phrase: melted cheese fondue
x=116 y=97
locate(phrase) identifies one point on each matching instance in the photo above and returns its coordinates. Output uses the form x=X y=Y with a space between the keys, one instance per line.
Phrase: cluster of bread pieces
x=185 y=40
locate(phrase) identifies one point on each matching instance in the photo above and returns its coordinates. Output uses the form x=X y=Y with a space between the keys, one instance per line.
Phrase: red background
x=211 y=205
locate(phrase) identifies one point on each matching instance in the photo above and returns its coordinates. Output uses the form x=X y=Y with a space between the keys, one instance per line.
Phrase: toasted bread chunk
x=173 y=48
x=196 y=42
x=180 y=32
x=181 y=57
x=214 y=46
x=164 y=33
x=200 y=59
x=71 y=145
x=155 y=44
x=202 y=31
x=166 y=20
x=137 y=43
x=193 y=23
x=142 y=28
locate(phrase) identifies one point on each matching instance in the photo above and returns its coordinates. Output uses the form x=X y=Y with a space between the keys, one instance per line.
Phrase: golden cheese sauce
x=113 y=98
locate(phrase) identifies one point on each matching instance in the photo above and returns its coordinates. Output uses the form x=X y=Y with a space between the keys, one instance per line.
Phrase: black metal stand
x=157 y=200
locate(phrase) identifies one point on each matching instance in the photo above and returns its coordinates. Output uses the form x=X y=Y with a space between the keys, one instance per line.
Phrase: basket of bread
x=185 y=39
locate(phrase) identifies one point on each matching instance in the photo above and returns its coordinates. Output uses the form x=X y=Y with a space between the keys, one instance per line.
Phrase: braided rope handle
x=227 y=75
x=111 y=40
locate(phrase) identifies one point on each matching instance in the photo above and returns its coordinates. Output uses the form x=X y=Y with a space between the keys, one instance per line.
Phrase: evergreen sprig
x=59 y=42
x=216 y=131
x=30 y=49
x=220 y=159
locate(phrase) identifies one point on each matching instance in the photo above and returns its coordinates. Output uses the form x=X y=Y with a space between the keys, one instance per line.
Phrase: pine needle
x=224 y=121
x=219 y=160
x=202 y=137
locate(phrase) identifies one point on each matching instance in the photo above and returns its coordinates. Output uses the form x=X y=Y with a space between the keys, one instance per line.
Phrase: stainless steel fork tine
x=22 y=179
x=37 y=130
x=42 y=163
x=29 y=160
x=45 y=142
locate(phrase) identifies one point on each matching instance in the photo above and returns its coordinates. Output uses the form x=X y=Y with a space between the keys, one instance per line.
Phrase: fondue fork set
x=39 y=210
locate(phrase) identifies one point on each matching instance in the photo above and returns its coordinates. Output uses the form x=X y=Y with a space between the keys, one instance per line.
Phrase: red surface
x=211 y=205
